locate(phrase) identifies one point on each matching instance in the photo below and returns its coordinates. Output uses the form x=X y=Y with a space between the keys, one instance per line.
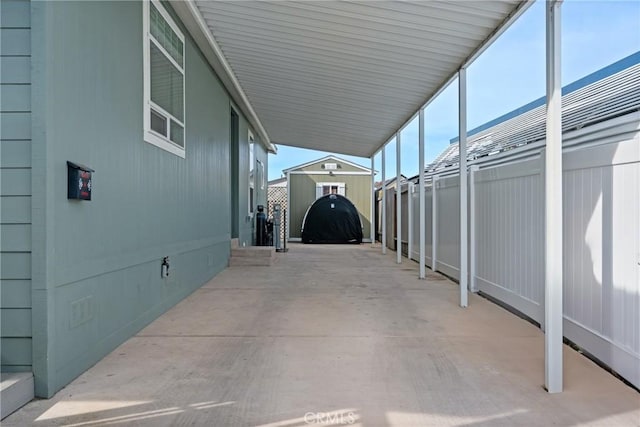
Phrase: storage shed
x=329 y=175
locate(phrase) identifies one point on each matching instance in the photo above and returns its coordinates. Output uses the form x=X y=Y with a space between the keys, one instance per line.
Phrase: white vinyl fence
x=601 y=235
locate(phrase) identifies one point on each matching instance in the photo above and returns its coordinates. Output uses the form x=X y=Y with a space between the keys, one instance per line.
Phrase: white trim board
x=329 y=173
x=327 y=158
x=149 y=135
x=192 y=19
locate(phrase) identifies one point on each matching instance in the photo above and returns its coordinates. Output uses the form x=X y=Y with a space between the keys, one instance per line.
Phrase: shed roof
x=326 y=159
x=277 y=181
x=341 y=76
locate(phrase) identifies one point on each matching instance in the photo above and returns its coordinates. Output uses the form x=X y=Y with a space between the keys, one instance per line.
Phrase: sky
x=509 y=74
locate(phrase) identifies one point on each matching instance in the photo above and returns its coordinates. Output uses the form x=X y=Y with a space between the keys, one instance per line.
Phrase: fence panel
x=509 y=228
x=448 y=220
x=415 y=207
x=602 y=253
x=601 y=231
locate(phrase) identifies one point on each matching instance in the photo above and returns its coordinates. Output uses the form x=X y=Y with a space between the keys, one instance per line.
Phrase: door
x=234 y=158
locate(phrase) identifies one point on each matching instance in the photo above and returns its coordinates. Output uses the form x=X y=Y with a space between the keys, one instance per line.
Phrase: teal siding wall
x=244 y=219
x=260 y=192
x=247 y=221
x=15 y=187
x=97 y=264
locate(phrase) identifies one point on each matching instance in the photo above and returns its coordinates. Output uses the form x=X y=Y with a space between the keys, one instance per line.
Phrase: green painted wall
x=96 y=265
x=15 y=188
x=303 y=194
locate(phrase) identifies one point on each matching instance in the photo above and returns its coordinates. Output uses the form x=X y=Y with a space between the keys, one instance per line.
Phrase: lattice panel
x=277 y=195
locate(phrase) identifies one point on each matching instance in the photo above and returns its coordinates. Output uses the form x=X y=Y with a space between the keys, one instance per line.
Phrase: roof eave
x=193 y=20
x=486 y=43
x=329 y=157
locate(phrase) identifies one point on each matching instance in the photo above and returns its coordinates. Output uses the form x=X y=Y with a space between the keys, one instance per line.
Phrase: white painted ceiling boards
x=345 y=76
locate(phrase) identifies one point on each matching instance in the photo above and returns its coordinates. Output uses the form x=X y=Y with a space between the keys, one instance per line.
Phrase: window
x=329 y=189
x=251 y=172
x=164 y=103
x=330 y=166
x=324 y=188
x=262 y=176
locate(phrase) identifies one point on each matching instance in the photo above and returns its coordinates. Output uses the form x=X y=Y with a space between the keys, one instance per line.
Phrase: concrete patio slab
x=334 y=335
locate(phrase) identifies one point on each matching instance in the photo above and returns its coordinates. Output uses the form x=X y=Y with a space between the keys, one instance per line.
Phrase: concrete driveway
x=334 y=335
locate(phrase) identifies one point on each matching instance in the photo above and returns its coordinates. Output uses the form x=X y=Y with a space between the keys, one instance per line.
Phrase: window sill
x=164 y=144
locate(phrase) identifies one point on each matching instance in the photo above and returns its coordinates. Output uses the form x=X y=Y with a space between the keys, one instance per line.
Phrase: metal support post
x=421 y=189
x=398 y=203
x=553 y=204
x=462 y=144
x=383 y=214
x=372 y=219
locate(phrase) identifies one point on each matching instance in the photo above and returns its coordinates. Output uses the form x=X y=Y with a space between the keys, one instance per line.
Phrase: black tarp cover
x=332 y=219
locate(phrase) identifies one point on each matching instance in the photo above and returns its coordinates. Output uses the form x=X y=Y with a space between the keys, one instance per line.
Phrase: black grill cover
x=332 y=219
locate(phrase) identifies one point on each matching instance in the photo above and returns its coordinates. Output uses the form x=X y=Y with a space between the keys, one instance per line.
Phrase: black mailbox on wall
x=78 y=181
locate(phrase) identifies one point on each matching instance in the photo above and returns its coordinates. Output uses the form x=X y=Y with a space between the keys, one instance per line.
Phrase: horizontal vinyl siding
x=16 y=352
x=16 y=293
x=15 y=97
x=15 y=70
x=15 y=14
x=17 y=237
x=15 y=125
x=15 y=41
x=16 y=323
x=16 y=210
x=15 y=191
x=15 y=154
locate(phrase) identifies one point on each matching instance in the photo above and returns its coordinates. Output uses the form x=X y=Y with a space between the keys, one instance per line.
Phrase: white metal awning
x=345 y=76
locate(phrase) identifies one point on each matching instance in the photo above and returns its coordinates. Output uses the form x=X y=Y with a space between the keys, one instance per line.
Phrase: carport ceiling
x=345 y=76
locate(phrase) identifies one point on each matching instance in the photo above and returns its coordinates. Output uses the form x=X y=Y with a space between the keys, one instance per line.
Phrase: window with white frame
x=261 y=175
x=324 y=188
x=164 y=79
x=251 y=172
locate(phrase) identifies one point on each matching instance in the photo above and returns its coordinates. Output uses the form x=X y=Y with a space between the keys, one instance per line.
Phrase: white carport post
x=383 y=214
x=462 y=144
x=372 y=220
x=398 y=203
x=287 y=214
x=553 y=205
x=421 y=228
x=409 y=218
x=434 y=224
